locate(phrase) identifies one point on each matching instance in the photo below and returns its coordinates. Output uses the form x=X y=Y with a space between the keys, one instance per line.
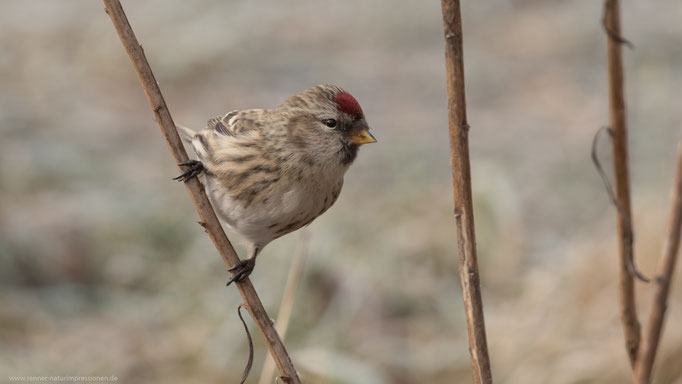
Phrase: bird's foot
x=193 y=168
x=241 y=271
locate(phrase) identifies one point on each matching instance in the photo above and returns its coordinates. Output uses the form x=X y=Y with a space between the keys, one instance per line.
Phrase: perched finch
x=269 y=172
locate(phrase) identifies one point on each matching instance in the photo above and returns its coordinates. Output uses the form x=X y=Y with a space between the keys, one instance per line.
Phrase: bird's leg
x=244 y=268
x=194 y=168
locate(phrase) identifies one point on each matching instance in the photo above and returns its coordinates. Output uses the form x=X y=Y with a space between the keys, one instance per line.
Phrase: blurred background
x=104 y=270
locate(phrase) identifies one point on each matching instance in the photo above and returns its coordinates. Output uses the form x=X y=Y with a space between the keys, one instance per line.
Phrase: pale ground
x=104 y=270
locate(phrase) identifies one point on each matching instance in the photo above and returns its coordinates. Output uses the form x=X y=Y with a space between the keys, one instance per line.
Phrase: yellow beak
x=363 y=137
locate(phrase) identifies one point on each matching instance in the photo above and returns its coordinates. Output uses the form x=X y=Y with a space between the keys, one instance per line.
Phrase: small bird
x=269 y=172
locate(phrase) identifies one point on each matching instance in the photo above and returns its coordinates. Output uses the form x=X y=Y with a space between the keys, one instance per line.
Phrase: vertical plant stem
x=204 y=208
x=461 y=177
x=286 y=307
x=628 y=313
x=666 y=269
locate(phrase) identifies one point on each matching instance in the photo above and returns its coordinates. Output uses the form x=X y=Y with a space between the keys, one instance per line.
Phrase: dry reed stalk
x=654 y=328
x=204 y=208
x=628 y=308
x=461 y=175
x=286 y=306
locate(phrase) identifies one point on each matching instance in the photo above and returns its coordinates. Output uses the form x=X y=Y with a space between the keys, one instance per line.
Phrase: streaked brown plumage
x=269 y=172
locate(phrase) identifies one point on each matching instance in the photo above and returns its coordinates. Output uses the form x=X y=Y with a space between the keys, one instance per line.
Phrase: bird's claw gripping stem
x=241 y=271
x=194 y=168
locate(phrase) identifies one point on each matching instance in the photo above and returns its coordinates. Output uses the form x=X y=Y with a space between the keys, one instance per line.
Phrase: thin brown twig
x=204 y=208
x=461 y=175
x=666 y=269
x=286 y=306
x=628 y=312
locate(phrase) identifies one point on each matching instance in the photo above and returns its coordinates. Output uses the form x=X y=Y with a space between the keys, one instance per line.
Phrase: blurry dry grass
x=104 y=270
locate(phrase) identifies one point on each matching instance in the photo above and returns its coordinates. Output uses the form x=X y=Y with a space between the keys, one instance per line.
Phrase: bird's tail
x=195 y=148
x=186 y=134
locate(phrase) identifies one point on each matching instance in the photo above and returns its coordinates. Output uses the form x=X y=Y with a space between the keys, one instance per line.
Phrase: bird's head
x=330 y=119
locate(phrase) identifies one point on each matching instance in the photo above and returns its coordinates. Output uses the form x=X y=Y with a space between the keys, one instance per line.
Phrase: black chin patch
x=348 y=153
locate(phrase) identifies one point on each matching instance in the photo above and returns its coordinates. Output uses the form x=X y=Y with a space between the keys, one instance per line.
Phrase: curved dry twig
x=249 y=363
x=634 y=272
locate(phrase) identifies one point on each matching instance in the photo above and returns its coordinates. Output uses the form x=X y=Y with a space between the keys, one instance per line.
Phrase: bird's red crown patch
x=346 y=103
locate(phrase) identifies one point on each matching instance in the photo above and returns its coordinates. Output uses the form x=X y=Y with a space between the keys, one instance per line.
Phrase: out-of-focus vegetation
x=104 y=271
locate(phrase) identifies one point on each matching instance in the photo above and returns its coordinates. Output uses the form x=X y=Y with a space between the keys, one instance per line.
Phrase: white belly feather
x=297 y=204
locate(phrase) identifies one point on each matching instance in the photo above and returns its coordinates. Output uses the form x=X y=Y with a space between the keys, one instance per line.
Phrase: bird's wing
x=234 y=123
x=235 y=135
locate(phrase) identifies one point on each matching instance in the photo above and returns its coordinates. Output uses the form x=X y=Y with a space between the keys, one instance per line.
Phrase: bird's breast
x=278 y=207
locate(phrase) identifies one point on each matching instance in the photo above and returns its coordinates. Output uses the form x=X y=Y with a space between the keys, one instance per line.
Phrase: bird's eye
x=331 y=123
